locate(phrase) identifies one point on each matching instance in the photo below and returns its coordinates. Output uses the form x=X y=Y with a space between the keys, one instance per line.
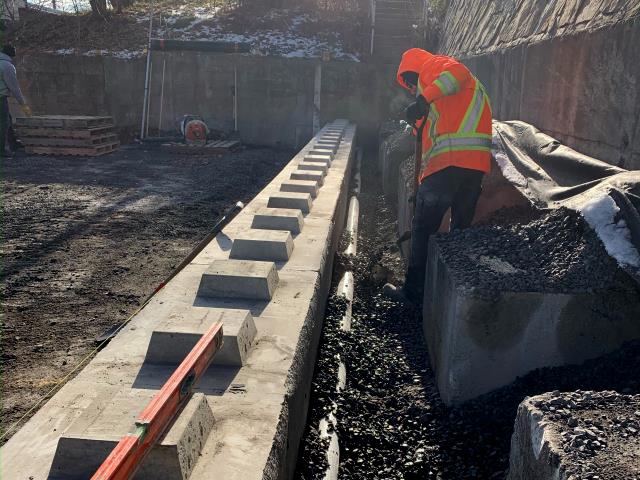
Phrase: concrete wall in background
x=275 y=95
x=568 y=67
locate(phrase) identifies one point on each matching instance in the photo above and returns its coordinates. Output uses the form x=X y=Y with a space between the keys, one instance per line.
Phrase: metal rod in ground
x=345 y=288
x=147 y=73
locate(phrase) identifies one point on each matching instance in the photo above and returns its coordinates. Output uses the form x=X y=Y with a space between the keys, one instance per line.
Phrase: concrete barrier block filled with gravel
x=577 y=435
x=507 y=297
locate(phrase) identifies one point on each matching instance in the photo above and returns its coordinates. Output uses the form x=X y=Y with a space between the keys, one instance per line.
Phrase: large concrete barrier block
x=279 y=219
x=239 y=279
x=327 y=144
x=394 y=150
x=575 y=435
x=478 y=343
x=261 y=244
x=175 y=337
x=90 y=439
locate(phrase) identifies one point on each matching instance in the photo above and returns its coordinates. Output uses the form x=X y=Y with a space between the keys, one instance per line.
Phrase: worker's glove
x=416 y=110
x=26 y=109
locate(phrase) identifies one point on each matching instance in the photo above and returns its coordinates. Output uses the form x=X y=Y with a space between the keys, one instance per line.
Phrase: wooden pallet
x=97 y=141
x=87 y=151
x=63 y=121
x=45 y=132
x=215 y=147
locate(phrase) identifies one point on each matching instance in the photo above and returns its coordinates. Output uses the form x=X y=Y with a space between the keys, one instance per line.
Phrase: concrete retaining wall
x=275 y=96
x=259 y=405
x=568 y=67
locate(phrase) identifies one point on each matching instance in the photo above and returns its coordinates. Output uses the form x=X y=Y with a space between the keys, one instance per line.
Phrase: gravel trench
x=391 y=422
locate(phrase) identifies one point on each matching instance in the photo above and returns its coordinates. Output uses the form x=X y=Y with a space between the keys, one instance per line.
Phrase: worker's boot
x=398 y=294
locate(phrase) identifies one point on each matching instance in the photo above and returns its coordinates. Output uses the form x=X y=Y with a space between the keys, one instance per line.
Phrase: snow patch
x=600 y=214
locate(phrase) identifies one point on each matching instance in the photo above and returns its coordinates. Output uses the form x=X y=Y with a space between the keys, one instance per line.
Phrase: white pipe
x=147 y=73
x=345 y=288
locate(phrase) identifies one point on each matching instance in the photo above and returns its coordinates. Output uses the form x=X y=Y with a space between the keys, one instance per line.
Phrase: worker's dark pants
x=455 y=188
x=5 y=124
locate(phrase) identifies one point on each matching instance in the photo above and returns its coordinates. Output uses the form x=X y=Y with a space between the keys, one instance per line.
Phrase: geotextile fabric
x=551 y=175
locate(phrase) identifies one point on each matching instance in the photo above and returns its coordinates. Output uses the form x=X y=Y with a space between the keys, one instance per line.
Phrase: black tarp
x=551 y=174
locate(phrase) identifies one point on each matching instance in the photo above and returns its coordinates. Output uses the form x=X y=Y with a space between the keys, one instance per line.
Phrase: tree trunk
x=99 y=8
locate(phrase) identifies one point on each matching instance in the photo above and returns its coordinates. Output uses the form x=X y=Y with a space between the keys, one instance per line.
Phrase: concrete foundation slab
x=279 y=219
x=315 y=166
x=301 y=186
x=90 y=439
x=308 y=175
x=261 y=244
x=477 y=344
x=239 y=279
x=292 y=200
x=175 y=337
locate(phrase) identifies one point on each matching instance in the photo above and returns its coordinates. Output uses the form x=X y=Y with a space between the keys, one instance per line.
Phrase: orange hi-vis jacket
x=458 y=128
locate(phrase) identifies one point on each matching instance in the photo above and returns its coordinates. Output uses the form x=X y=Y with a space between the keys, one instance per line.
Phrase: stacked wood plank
x=67 y=135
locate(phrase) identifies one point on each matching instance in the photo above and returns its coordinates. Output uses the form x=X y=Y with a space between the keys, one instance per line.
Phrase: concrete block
x=320 y=152
x=239 y=279
x=316 y=166
x=279 y=219
x=308 y=175
x=301 y=186
x=331 y=136
x=261 y=244
x=174 y=338
x=90 y=439
x=478 y=344
x=332 y=146
x=291 y=200
x=544 y=446
x=317 y=158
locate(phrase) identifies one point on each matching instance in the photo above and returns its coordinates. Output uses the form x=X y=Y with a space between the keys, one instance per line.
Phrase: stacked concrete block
x=261 y=244
x=301 y=186
x=174 y=338
x=279 y=219
x=308 y=175
x=313 y=165
x=291 y=200
x=239 y=279
x=95 y=433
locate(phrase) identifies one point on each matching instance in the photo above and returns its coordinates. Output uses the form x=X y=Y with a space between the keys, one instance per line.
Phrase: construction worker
x=8 y=86
x=453 y=115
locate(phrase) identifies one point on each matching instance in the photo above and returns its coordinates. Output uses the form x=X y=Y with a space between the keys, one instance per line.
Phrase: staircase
x=396 y=27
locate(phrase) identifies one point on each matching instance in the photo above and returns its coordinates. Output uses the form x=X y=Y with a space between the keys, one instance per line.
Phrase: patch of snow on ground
x=600 y=214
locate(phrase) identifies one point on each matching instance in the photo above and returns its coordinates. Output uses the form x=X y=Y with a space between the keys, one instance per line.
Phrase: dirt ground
x=86 y=240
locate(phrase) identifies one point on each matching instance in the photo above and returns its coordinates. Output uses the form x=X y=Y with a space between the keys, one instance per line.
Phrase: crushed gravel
x=599 y=432
x=551 y=251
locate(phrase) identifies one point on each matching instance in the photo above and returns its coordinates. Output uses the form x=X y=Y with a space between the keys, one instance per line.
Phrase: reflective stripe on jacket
x=458 y=128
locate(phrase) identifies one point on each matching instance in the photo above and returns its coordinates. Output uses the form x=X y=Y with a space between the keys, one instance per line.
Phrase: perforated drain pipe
x=345 y=288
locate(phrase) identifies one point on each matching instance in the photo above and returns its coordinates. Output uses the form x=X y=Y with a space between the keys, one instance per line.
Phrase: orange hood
x=412 y=61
